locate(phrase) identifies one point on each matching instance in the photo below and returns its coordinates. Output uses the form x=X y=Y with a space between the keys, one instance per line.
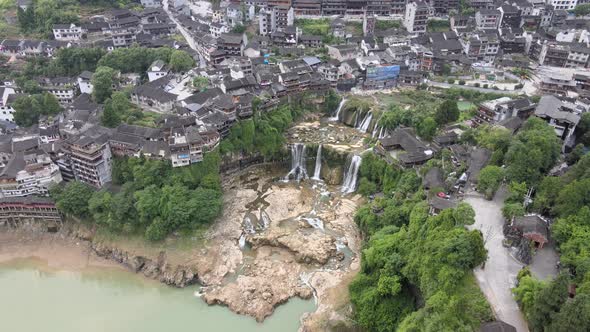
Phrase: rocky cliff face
x=173 y=275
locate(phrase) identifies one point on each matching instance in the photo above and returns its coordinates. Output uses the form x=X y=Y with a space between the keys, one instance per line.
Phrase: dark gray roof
x=497 y=326
x=441 y=203
x=154 y=93
x=551 y=107
x=433 y=178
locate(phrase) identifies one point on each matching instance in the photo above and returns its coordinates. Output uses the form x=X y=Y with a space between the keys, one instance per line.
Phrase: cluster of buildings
x=279 y=62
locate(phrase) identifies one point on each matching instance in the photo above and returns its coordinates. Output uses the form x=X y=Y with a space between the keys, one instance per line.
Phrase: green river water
x=33 y=298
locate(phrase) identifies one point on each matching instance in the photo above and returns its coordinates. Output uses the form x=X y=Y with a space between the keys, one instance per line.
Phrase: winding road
x=183 y=31
x=499 y=274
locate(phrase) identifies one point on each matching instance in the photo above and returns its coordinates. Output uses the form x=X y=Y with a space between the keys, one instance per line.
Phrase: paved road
x=499 y=275
x=447 y=86
x=183 y=31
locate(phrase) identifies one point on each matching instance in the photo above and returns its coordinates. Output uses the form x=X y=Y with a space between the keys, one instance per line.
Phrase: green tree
x=573 y=316
x=180 y=61
x=73 y=199
x=102 y=82
x=200 y=83
x=582 y=10
x=532 y=153
x=489 y=180
x=110 y=118
x=427 y=128
x=447 y=112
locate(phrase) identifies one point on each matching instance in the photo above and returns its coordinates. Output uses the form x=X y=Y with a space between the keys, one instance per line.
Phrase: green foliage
x=135 y=59
x=331 y=102
x=381 y=25
x=511 y=210
x=489 y=180
x=238 y=29
x=433 y=254
x=532 y=153
x=318 y=27
x=29 y=109
x=438 y=26
x=180 y=61
x=200 y=83
x=154 y=198
x=41 y=15
x=426 y=129
x=102 y=82
x=74 y=60
x=581 y=10
x=447 y=112
x=73 y=199
x=575 y=155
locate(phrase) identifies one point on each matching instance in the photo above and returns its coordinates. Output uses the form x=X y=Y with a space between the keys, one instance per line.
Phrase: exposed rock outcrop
x=177 y=276
x=313 y=246
x=266 y=284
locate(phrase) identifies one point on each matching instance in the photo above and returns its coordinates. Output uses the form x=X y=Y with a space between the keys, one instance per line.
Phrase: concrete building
x=272 y=19
x=488 y=19
x=6 y=111
x=417 y=15
x=16 y=210
x=28 y=173
x=563 y=4
x=560 y=114
x=151 y=3
x=85 y=82
x=89 y=157
x=158 y=69
x=67 y=32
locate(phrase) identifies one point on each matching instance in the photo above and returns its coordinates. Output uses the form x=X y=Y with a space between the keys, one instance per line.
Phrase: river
x=36 y=298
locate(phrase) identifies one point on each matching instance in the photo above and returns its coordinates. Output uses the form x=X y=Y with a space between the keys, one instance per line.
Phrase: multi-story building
x=151 y=3
x=272 y=19
x=562 y=115
x=89 y=156
x=28 y=173
x=444 y=6
x=417 y=15
x=488 y=19
x=16 y=210
x=498 y=110
x=563 y=4
x=307 y=7
x=63 y=88
x=67 y=32
x=6 y=111
x=511 y=16
x=231 y=44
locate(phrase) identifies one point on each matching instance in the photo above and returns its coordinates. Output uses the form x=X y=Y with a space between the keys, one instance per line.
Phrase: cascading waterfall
x=364 y=126
x=377 y=128
x=298 y=169
x=318 y=164
x=314 y=222
x=248 y=227
x=375 y=131
x=350 y=178
x=264 y=220
x=336 y=117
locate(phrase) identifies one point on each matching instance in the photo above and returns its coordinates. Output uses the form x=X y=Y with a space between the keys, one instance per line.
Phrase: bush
x=518 y=86
x=461 y=82
x=485 y=86
x=477 y=85
x=451 y=80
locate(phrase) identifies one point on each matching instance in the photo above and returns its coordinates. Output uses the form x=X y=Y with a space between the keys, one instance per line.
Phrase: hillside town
x=160 y=88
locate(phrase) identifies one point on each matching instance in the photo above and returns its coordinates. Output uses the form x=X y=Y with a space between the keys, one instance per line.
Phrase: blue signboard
x=383 y=73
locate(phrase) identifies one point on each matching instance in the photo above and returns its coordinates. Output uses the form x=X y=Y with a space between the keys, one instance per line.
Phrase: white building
x=6 y=111
x=29 y=173
x=417 y=15
x=563 y=4
x=151 y=3
x=275 y=19
x=157 y=70
x=67 y=32
x=85 y=82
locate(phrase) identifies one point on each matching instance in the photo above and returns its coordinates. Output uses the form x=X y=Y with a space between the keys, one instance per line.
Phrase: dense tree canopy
x=154 y=198
x=180 y=61
x=28 y=109
x=102 y=83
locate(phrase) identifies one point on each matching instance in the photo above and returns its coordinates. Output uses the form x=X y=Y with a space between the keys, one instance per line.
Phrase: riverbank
x=310 y=248
x=59 y=250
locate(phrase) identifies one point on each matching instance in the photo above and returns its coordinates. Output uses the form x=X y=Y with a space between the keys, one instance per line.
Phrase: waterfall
x=306 y=280
x=264 y=220
x=318 y=164
x=364 y=125
x=375 y=131
x=336 y=117
x=314 y=222
x=350 y=178
x=298 y=169
x=242 y=241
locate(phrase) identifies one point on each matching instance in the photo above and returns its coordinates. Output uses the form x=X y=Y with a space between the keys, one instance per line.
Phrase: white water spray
x=336 y=117
x=364 y=126
x=298 y=169
x=318 y=164
x=350 y=178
